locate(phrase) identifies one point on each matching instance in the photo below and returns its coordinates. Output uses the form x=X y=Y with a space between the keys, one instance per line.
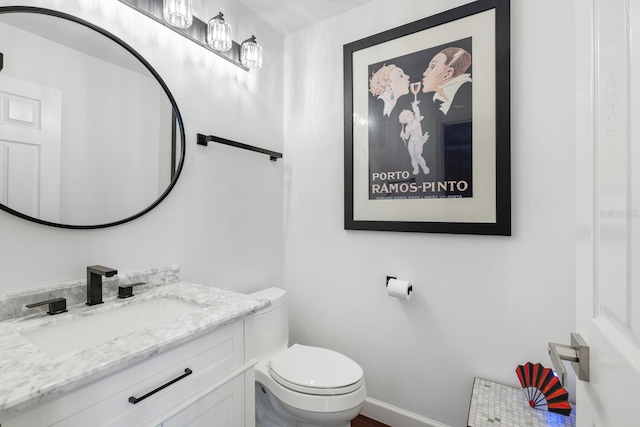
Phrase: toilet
x=301 y=386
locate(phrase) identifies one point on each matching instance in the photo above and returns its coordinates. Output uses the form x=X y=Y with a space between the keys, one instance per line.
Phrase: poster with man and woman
x=420 y=124
x=427 y=124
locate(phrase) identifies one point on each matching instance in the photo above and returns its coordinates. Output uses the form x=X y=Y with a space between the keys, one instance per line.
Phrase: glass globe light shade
x=219 y=33
x=251 y=54
x=178 y=13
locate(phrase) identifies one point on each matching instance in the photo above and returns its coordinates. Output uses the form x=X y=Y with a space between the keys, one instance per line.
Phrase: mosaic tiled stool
x=494 y=405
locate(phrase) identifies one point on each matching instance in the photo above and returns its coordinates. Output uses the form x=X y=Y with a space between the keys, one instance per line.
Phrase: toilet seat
x=316 y=371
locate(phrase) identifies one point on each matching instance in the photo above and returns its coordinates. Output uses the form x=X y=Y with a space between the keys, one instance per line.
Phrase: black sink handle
x=126 y=291
x=56 y=305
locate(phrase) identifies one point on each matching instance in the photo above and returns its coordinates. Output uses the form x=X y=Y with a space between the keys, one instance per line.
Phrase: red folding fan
x=542 y=389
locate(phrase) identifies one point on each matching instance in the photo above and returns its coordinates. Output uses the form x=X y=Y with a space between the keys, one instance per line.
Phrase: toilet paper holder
x=392 y=277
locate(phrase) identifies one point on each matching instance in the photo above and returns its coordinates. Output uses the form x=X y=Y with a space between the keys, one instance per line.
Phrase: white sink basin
x=90 y=329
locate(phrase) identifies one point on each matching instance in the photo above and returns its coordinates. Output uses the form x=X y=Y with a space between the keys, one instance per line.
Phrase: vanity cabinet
x=221 y=407
x=216 y=389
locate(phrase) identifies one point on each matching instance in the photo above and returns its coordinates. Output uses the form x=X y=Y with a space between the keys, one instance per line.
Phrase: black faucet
x=94 y=282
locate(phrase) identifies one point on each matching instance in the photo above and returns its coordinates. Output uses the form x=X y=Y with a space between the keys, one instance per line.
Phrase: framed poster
x=427 y=132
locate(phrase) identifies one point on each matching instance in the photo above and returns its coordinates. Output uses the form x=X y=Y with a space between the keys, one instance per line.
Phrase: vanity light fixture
x=214 y=36
x=251 y=53
x=219 y=33
x=178 y=13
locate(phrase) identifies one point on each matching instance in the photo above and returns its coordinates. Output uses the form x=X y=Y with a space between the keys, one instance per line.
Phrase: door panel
x=608 y=219
x=20 y=166
x=30 y=146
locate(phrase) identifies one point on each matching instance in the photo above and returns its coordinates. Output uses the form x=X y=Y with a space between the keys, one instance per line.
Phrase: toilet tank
x=271 y=323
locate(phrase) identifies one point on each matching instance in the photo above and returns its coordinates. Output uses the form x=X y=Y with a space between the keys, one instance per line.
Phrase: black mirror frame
x=176 y=113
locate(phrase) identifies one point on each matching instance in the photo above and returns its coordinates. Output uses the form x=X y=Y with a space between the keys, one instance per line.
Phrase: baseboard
x=394 y=416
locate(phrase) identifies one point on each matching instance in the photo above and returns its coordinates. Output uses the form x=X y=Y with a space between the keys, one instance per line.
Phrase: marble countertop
x=28 y=376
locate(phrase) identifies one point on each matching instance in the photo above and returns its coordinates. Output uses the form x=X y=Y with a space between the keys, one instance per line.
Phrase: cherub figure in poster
x=388 y=84
x=413 y=137
x=446 y=74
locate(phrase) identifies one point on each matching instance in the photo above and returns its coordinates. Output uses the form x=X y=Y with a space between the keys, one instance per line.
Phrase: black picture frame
x=465 y=139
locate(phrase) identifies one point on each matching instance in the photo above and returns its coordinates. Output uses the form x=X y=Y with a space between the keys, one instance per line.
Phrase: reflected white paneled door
x=30 y=145
x=608 y=209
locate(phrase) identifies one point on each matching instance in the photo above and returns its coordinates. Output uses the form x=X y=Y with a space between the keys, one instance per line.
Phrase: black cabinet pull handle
x=135 y=400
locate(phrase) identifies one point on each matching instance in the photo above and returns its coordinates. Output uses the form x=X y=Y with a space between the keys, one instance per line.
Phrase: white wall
x=482 y=305
x=223 y=221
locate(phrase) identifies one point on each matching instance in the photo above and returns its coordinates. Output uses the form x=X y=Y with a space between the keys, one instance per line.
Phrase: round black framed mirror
x=90 y=135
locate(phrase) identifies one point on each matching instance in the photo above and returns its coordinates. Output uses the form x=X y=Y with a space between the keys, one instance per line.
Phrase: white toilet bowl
x=301 y=386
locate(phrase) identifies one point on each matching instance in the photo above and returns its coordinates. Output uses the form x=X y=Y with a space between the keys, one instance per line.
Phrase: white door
x=30 y=134
x=608 y=209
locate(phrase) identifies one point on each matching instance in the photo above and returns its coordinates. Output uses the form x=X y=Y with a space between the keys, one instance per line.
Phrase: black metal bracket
x=205 y=139
x=56 y=305
x=1 y=61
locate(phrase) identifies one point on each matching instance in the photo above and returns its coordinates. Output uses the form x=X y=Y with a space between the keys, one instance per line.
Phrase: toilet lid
x=316 y=370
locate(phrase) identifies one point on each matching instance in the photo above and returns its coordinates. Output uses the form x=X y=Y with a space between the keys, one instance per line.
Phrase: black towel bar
x=205 y=139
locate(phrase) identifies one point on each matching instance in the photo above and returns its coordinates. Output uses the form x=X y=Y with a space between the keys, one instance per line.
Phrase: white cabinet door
x=608 y=209
x=223 y=407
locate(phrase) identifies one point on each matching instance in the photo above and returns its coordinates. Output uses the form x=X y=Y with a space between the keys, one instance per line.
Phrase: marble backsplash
x=13 y=304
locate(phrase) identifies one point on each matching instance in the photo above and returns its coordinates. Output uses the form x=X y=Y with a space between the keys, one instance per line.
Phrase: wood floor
x=362 y=421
